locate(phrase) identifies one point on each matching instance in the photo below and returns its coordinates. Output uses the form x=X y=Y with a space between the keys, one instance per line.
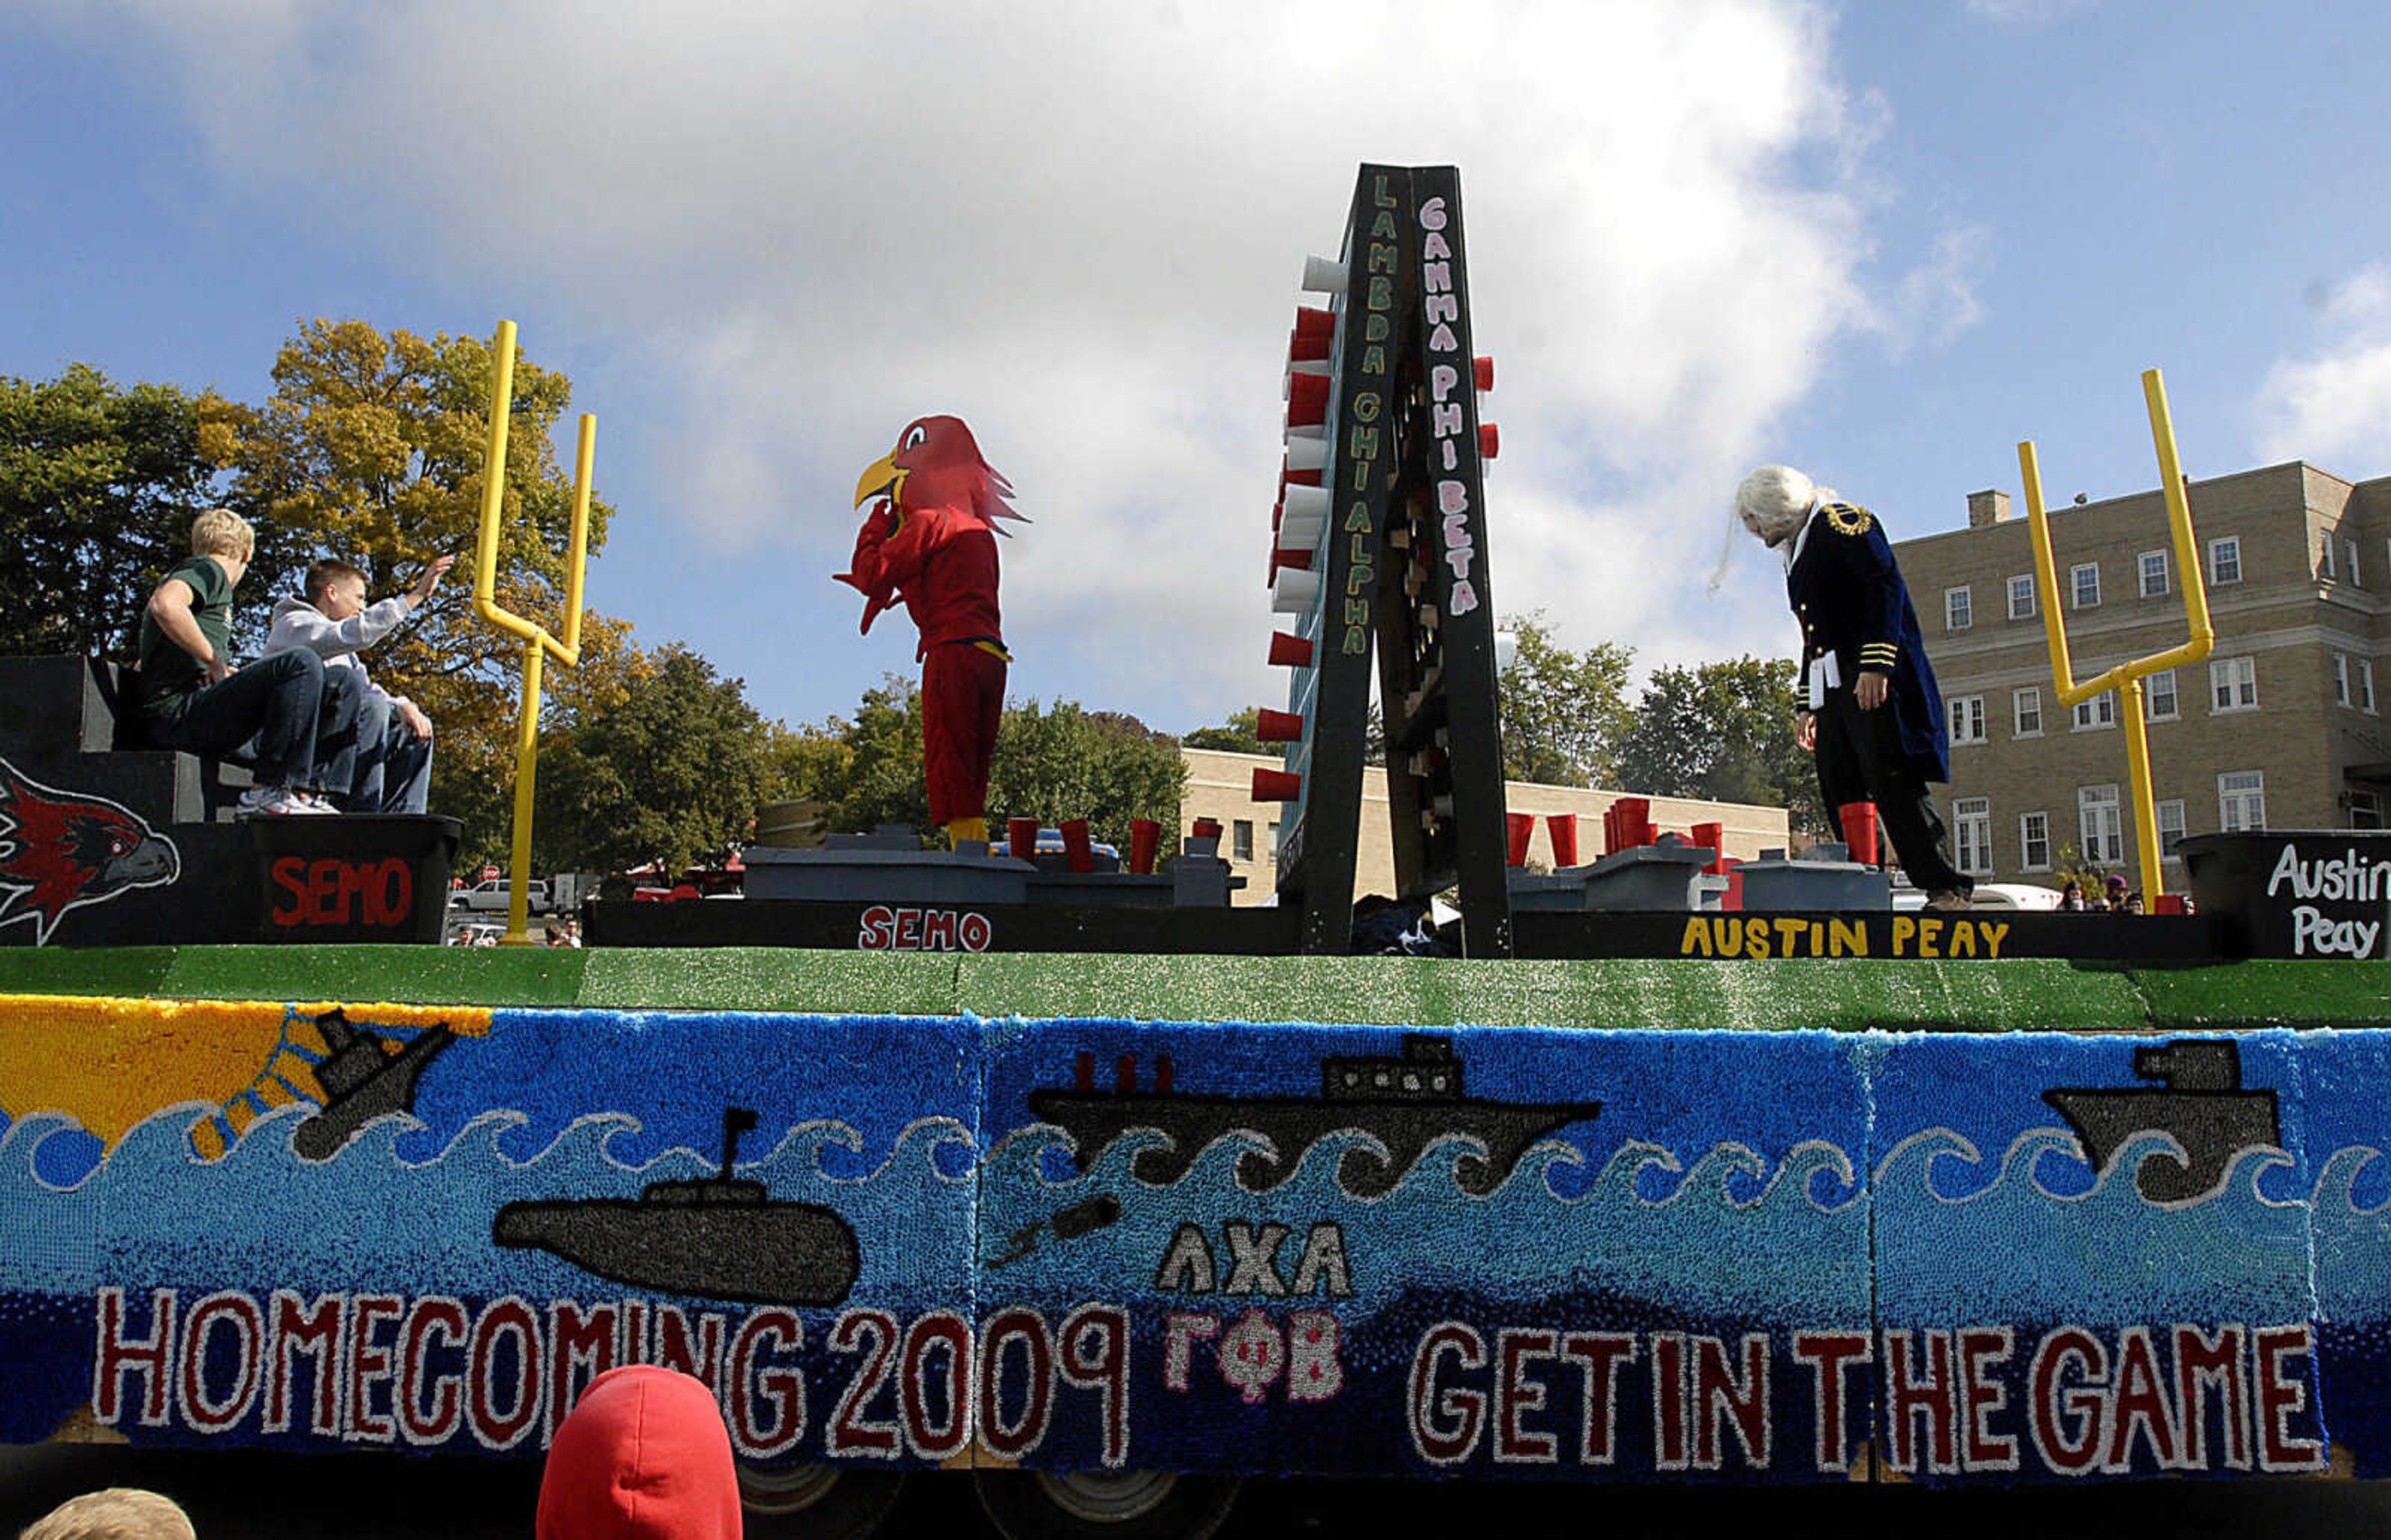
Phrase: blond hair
x=221 y=532
x=117 y=1513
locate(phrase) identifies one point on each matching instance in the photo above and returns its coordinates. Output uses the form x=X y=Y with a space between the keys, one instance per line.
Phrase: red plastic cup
x=1859 y=830
x=1021 y=835
x=1145 y=836
x=1206 y=828
x=1075 y=844
x=1711 y=838
x=1272 y=726
x=1277 y=786
x=1307 y=399
x=1288 y=652
x=2167 y=904
x=1523 y=829
x=1634 y=820
x=1563 y=828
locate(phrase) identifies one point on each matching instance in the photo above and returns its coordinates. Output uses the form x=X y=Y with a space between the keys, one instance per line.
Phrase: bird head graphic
x=60 y=850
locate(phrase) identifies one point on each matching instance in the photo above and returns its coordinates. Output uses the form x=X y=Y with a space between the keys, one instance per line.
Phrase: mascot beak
x=881 y=478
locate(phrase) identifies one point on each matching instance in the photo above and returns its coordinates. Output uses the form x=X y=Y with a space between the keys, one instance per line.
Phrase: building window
x=2098 y=711
x=2084 y=583
x=2366 y=810
x=1971 y=819
x=1241 y=838
x=1957 y=608
x=2324 y=558
x=2027 y=706
x=2349 y=551
x=1967 y=718
x=2233 y=684
x=2225 y=559
x=2341 y=679
x=2170 y=824
x=2366 y=684
x=2034 y=841
x=2021 y=597
x=2242 y=800
x=2159 y=697
x=1274 y=841
x=2099 y=828
x=2152 y=568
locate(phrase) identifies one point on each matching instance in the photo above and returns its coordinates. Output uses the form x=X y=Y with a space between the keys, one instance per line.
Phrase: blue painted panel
x=2083 y=1270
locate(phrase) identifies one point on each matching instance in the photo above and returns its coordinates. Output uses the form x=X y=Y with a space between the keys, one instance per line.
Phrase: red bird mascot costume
x=931 y=541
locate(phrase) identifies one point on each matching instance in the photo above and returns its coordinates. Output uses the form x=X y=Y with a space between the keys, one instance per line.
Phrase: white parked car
x=492 y=896
x=1988 y=896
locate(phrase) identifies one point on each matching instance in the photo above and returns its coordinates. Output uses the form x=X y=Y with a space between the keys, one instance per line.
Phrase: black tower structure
x=1380 y=550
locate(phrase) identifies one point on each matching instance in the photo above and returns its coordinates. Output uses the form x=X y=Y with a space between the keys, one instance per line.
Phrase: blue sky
x=1883 y=242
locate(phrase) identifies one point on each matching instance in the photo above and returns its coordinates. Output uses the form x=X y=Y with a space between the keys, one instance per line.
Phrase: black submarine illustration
x=1406 y=1102
x=363 y=1077
x=2198 y=1099
x=720 y=1236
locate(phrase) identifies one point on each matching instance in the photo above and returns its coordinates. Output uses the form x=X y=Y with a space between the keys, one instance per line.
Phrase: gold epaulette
x=1848 y=519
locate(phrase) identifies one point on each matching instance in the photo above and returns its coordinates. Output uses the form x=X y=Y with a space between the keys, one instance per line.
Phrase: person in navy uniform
x=1869 y=711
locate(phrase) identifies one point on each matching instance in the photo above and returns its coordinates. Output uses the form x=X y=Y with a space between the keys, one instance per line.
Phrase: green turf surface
x=1843 y=995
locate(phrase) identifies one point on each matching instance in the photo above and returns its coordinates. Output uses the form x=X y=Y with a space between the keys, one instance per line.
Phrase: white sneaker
x=314 y=802
x=273 y=801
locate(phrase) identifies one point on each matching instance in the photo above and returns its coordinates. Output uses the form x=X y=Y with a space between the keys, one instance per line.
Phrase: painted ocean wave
x=1921 y=1162
x=262 y=1215
x=1734 y=1233
x=2353 y=1240
x=1039 y=1156
x=2083 y=1244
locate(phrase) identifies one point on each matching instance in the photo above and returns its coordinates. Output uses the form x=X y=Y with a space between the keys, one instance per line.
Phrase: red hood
x=642 y=1457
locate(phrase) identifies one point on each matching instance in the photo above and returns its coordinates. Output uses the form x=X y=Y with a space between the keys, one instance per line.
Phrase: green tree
x=98 y=485
x=1237 y=736
x=1051 y=764
x=1063 y=762
x=670 y=773
x=883 y=767
x=370 y=451
x=1563 y=713
x=1724 y=731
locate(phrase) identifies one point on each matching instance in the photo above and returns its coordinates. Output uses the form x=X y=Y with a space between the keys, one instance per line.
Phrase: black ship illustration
x=1405 y=1102
x=720 y=1236
x=363 y=1077
x=2198 y=1099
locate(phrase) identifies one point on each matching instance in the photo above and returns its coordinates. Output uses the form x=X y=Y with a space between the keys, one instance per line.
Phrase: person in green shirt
x=192 y=699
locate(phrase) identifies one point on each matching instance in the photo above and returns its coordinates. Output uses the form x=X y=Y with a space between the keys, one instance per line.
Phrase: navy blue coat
x=1846 y=590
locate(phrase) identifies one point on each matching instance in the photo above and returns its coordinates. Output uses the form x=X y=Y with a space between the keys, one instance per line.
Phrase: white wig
x=1776 y=500
x=1773 y=502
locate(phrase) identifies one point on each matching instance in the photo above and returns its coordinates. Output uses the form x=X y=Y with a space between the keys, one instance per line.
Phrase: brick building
x=1219 y=784
x=2281 y=727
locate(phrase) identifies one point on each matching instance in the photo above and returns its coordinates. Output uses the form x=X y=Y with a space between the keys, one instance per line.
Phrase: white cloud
x=1080 y=227
x=2334 y=404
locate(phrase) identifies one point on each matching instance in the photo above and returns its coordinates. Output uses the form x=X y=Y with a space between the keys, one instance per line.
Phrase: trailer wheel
x=816 y=1502
x=1105 y=1505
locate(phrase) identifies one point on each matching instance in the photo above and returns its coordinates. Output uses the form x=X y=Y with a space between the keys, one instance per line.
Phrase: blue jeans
x=394 y=765
x=298 y=718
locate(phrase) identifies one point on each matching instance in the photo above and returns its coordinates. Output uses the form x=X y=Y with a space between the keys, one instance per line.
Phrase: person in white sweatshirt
x=334 y=621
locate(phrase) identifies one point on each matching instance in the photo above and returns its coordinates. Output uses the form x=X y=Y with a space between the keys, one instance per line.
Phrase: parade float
x=1107 y=1192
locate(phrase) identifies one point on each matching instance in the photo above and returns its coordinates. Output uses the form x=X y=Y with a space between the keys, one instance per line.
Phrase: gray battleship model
x=2199 y=1099
x=363 y=1077
x=719 y=1237
x=1406 y=1103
